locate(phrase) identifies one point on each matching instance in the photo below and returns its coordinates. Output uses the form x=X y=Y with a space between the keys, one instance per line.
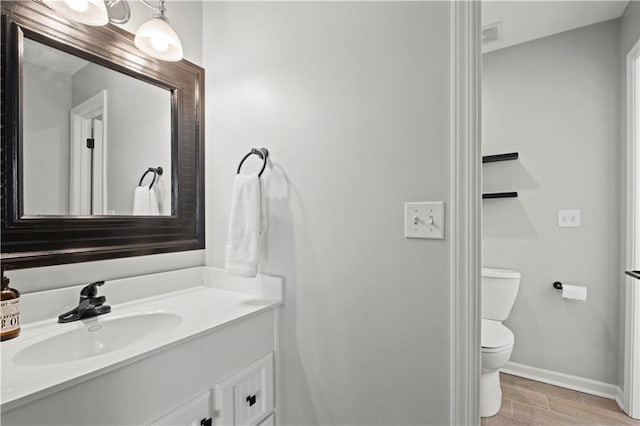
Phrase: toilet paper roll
x=576 y=292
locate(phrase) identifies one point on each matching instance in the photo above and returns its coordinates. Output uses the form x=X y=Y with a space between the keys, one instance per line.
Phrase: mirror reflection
x=95 y=141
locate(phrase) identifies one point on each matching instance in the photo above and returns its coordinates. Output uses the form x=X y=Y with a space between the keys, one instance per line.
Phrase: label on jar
x=10 y=315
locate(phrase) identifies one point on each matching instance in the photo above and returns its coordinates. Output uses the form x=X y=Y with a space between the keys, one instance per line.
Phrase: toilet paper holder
x=575 y=292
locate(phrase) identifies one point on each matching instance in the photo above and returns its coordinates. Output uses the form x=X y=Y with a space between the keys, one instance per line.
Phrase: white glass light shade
x=89 y=12
x=156 y=38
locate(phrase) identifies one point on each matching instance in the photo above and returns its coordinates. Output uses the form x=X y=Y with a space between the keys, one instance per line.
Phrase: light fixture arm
x=159 y=9
x=125 y=14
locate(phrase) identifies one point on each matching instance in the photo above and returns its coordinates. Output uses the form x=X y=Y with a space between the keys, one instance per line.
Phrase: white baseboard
x=580 y=384
x=620 y=399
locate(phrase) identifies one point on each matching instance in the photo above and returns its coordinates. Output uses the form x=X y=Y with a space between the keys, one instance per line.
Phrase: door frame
x=93 y=107
x=465 y=213
x=631 y=385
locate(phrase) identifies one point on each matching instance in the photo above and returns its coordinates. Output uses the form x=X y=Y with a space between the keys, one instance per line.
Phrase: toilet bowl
x=499 y=290
x=497 y=344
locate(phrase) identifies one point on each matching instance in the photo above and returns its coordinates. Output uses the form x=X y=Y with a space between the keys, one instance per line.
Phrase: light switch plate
x=424 y=220
x=569 y=218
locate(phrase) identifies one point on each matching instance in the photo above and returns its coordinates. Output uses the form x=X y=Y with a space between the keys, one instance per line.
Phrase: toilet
x=499 y=290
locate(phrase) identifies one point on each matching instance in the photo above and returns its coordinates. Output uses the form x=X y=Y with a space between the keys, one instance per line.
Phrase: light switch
x=424 y=220
x=569 y=218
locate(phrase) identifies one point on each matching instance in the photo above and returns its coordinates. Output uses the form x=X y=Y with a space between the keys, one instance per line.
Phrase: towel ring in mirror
x=157 y=171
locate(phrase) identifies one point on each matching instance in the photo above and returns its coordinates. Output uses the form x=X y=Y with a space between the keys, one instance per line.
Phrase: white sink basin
x=96 y=336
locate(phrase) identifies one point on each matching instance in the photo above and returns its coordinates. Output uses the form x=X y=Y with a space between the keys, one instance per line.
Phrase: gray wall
x=138 y=133
x=629 y=35
x=186 y=19
x=557 y=102
x=47 y=101
x=352 y=101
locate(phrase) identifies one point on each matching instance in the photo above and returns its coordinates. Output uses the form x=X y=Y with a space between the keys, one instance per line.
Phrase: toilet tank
x=499 y=290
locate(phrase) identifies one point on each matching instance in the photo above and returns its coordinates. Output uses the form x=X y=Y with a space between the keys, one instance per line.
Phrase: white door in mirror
x=424 y=220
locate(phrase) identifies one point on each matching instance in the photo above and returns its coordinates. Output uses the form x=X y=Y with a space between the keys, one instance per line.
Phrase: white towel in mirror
x=145 y=202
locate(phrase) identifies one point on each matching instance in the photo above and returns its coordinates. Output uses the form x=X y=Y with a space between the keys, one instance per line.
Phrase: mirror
x=66 y=200
x=89 y=135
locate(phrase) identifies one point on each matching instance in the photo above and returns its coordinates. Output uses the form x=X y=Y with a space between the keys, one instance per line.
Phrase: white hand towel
x=144 y=202
x=243 y=248
x=153 y=203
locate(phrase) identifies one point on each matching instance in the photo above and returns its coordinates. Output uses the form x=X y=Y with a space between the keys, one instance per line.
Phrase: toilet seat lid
x=495 y=335
x=500 y=273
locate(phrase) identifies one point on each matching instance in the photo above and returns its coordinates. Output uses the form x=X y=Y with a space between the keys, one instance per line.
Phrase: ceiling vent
x=492 y=33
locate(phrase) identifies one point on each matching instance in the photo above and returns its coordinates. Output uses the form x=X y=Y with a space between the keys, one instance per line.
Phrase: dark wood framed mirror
x=33 y=235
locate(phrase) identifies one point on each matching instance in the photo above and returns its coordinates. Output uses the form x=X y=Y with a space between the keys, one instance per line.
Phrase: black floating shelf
x=491 y=195
x=499 y=157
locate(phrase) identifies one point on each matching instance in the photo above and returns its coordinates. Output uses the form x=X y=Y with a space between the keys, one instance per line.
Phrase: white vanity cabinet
x=197 y=412
x=154 y=387
x=247 y=397
x=223 y=352
x=269 y=421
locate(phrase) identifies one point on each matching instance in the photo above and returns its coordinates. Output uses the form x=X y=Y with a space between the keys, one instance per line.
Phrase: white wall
x=185 y=17
x=557 y=102
x=138 y=133
x=352 y=101
x=47 y=101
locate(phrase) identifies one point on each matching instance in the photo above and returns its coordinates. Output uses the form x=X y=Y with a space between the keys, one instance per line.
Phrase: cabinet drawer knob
x=251 y=399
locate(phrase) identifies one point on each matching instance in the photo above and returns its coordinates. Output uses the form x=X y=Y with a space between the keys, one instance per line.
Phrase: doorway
x=553 y=99
x=88 y=191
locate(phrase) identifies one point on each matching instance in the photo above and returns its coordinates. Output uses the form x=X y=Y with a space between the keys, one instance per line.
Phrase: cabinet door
x=269 y=421
x=246 y=397
x=195 y=412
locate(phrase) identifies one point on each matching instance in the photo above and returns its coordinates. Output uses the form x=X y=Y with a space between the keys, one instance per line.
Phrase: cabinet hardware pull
x=251 y=400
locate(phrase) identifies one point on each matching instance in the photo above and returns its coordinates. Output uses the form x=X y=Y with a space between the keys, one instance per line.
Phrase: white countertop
x=204 y=308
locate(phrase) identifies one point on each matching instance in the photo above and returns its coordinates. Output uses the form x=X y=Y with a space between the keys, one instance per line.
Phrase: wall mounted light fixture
x=88 y=12
x=155 y=37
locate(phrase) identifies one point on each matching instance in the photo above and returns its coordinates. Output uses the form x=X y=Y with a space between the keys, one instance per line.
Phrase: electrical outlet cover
x=569 y=218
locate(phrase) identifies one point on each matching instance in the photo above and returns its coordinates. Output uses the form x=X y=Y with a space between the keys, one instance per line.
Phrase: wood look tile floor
x=527 y=402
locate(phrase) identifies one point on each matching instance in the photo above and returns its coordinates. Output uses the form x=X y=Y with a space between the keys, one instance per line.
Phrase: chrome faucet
x=91 y=305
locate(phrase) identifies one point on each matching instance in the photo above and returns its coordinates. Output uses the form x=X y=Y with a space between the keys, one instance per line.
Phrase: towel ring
x=157 y=171
x=263 y=153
